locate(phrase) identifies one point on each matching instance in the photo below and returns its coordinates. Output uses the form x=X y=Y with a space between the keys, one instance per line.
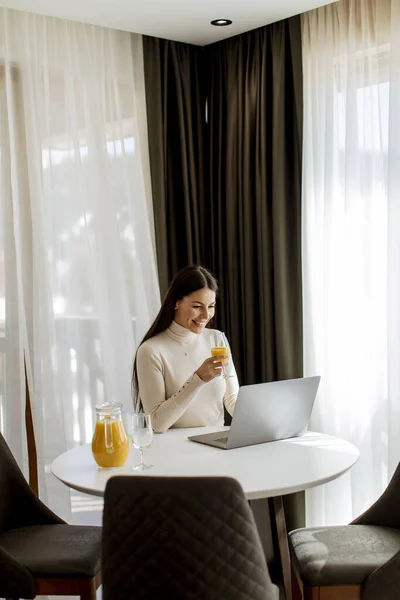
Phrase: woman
x=180 y=384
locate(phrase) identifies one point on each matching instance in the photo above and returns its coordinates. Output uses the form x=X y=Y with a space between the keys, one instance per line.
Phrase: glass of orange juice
x=220 y=347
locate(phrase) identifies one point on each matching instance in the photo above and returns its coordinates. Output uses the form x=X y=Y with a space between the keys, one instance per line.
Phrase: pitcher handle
x=108 y=434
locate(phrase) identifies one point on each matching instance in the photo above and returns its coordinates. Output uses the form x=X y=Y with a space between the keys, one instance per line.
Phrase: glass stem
x=141 y=457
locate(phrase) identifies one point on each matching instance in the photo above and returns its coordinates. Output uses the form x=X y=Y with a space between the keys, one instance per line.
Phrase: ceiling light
x=221 y=22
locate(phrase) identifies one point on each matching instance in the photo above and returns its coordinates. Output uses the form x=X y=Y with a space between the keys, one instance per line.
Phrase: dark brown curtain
x=227 y=190
x=255 y=121
x=175 y=97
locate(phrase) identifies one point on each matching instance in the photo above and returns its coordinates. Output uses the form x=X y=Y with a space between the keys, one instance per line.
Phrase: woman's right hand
x=211 y=368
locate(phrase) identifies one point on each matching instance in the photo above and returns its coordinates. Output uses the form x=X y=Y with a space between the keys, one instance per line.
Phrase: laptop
x=267 y=412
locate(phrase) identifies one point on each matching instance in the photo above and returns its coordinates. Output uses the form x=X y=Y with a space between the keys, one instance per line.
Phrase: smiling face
x=194 y=311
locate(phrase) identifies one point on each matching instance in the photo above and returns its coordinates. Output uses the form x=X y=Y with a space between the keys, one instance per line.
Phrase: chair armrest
x=384 y=582
x=16 y=581
x=40 y=514
x=386 y=510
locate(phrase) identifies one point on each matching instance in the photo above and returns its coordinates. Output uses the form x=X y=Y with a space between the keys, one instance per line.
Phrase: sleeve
x=232 y=386
x=164 y=411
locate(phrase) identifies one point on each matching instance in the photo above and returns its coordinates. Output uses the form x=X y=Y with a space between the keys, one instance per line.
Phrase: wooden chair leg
x=283 y=545
x=340 y=592
x=332 y=592
x=311 y=593
x=88 y=590
x=296 y=587
x=85 y=588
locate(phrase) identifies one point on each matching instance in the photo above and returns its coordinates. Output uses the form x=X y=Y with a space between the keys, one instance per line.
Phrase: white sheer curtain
x=351 y=241
x=78 y=281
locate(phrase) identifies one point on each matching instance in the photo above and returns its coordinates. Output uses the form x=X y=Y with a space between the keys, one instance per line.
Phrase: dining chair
x=350 y=562
x=39 y=553
x=186 y=538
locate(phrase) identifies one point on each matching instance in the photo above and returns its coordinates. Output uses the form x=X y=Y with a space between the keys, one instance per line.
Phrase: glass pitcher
x=110 y=444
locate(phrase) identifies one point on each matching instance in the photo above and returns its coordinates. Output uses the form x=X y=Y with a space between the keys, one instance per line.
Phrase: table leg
x=279 y=524
x=270 y=519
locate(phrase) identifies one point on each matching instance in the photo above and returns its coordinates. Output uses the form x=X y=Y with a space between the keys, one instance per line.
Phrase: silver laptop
x=267 y=412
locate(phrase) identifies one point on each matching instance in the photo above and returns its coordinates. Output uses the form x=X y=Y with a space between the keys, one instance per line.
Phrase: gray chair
x=360 y=560
x=189 y=538
x=40 y=553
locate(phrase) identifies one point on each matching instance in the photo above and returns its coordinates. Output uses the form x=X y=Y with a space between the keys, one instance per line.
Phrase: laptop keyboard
x=222 y=440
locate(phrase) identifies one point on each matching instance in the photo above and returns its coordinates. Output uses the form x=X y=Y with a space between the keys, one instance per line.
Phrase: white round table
x=264 y=471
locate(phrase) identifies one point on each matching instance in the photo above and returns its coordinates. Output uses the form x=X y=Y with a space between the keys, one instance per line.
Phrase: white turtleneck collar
x=181 y=334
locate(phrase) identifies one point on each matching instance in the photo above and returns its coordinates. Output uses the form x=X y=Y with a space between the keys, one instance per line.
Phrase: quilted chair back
x=386 y=510
x=384 y=582
x=191 y=538
x=18 y=504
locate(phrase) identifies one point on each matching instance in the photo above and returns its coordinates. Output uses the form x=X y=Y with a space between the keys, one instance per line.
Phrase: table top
x=264 y=470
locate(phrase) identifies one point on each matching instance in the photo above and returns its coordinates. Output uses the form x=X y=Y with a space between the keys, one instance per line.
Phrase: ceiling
x=182 y=20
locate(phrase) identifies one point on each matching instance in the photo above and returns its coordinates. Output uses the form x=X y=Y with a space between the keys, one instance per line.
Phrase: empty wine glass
x=142 y=437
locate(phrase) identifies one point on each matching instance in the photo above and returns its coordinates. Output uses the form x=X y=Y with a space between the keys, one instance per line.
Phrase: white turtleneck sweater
x=171 y=391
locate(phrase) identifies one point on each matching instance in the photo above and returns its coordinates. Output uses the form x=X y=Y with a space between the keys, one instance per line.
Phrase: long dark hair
x=186 y=281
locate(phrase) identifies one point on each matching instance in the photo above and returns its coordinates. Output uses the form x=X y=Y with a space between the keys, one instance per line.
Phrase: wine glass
x=220 y=347
x=142 y=437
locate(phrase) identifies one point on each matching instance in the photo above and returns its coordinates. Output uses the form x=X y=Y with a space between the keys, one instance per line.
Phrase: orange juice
x=221 y=351
x=115 y=452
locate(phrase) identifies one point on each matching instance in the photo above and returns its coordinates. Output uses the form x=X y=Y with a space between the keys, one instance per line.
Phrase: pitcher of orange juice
x=110 y=444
